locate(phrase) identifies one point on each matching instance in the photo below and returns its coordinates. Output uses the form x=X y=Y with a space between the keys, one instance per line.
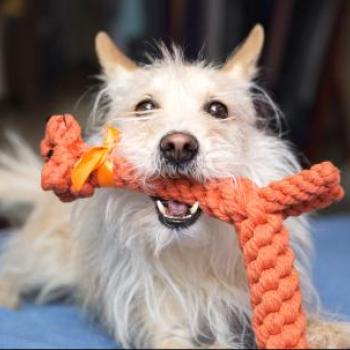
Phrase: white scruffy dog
x=159 y=274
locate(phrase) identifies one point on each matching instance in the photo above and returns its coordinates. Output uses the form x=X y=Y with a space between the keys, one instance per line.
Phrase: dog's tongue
x=176 y=208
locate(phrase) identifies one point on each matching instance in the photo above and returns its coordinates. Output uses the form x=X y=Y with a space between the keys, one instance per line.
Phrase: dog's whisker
x=153 y=111
x=229 y=118
x=134 y=116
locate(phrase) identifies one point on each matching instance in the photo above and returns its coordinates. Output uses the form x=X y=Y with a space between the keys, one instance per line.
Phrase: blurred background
x=48 y=63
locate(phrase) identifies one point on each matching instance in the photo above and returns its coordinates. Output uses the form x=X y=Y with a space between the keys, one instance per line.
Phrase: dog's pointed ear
x=242 y=62
x=109 y=55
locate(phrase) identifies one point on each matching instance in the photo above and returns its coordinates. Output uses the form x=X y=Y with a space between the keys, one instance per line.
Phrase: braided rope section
x=257 y=213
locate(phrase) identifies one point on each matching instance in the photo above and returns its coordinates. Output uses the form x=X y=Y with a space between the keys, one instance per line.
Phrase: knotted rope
x=257 y=213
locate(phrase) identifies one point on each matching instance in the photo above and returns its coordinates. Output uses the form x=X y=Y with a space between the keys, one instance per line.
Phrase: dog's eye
x=146 y=106
x=216 y=109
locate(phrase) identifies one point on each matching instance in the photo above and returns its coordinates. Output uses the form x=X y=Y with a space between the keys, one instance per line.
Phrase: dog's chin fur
x=148 y=284
x=142 y=276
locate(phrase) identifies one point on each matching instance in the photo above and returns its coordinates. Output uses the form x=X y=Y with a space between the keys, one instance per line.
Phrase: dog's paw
x=175 y=343
x=9 y=298
x=217 y=346
x=328 y=335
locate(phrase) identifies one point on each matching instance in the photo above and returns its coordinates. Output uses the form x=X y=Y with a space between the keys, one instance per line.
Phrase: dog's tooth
x=194 y=208
x=161 y=207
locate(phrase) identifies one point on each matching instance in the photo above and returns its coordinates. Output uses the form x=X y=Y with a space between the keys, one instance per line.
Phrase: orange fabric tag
x=104 y=174
x=96 y=158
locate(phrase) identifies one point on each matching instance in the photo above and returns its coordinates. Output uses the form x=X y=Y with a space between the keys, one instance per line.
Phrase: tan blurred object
x=2 y=72
x=12 y=8
x=22 y=50
x=8 y=8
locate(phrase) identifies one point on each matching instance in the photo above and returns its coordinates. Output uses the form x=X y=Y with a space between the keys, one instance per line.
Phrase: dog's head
x=184 y=119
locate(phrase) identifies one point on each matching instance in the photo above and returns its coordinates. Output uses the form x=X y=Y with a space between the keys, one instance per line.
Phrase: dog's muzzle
x=178 y=151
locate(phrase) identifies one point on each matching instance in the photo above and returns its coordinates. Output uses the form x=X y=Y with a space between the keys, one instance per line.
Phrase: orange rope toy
x=73 y=169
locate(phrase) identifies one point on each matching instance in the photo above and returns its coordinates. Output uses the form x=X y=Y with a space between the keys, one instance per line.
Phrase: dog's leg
x=15 y=270
x=324 y=334
x=164 y=341
x=40 y=257
x=167 y=334
x=183 y=341
x=168 y=329
x=9 y=292
x=173 y=332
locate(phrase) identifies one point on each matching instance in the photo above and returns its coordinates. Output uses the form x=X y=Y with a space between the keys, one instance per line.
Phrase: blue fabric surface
x=332 y=263
x=50 y=326
x=63 y=326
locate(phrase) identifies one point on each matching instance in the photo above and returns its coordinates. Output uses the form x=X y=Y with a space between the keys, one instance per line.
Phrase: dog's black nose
x=179 y=147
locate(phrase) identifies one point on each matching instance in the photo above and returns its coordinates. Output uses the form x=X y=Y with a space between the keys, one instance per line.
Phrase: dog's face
x=180 y=119
x=184 y=120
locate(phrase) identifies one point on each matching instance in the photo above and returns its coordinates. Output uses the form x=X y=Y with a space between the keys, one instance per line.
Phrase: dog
x=156 y=273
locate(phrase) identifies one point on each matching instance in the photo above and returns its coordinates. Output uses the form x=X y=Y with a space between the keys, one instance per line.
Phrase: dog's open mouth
x=175 y=214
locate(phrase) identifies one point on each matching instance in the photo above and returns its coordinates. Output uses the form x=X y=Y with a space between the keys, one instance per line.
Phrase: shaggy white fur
x=191 y=282
x=152 y=286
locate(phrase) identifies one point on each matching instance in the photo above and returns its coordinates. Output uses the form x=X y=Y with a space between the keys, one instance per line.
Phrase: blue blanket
x=63 y=326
